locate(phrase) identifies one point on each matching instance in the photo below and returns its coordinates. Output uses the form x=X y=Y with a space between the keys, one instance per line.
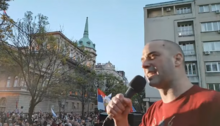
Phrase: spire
x=86 y=30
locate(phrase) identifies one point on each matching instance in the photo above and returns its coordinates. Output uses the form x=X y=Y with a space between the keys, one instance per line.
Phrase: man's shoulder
x=156 y=105
x=206 y=95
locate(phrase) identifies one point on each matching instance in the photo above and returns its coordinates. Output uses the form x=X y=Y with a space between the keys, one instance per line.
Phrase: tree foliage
x=6 y=23
x=110 y=83
x=82 y=80
x=41 y=57
x=138 y=102
x=4 y=4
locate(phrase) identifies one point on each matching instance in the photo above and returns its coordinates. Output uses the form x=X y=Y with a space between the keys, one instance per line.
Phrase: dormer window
x=80 y=42
x=94 y=45
x=88 y=42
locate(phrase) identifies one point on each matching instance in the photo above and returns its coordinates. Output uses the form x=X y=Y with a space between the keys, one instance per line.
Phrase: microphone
x=136 y=85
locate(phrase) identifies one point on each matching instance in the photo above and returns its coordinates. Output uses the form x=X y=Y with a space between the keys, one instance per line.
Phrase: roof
x=64 y=37
x=85 y=41
x=167 y=3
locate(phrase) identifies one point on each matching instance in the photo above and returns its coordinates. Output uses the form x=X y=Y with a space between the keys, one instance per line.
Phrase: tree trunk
x=31 y=111
x=88 y=108
x=59 y=109
x=83 y=106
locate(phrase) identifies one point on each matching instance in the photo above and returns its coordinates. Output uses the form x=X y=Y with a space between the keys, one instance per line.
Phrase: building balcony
x=190 y=55
x=193 y=79
x=186 y=33
x=186 y=38
x=189 y=52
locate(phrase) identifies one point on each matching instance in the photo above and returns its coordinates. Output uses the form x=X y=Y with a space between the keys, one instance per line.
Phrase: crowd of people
x=47 y=119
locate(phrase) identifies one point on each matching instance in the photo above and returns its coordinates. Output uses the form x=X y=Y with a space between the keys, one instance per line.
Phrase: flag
x=107 y=99
x=100 y=98
x=110 y=95
x=53 y=113
x=133 y=109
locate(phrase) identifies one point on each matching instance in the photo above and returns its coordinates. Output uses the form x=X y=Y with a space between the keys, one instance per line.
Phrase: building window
x=215 y=7
x=92 y=106
x=215 y=87
x=204 y=8
x=8 y=82
x=73 y=105
x=71 y=54
x=190 y=69
x=22 y=83
x=183 y=10
x=210 y=26
x=188 y=48
x=16 y=81
x=77 y=105
x=211 y=46
x=185 y=29
x=212 y=66
x=66 y=106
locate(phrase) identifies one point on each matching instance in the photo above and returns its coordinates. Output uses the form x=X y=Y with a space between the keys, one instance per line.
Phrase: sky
x=115 y=26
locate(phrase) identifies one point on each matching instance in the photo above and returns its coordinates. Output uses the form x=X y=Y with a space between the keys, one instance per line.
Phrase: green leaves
x=4 y=4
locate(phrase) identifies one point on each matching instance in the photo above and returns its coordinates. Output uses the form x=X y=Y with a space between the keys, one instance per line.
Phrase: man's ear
x=178 y=59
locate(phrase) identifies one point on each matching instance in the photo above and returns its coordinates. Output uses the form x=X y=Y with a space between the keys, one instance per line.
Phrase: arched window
x=8 y=82
x=16 y=81
x=22 y=83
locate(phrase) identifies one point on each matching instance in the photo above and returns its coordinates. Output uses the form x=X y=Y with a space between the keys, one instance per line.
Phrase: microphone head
x=138 y=83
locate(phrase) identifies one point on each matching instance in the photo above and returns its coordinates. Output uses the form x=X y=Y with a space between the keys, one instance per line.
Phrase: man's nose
x=145 y=64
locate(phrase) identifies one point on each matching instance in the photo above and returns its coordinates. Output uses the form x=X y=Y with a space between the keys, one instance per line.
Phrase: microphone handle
x=129 y=93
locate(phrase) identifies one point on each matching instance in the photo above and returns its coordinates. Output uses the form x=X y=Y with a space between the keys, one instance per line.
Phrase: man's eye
x=151 y=56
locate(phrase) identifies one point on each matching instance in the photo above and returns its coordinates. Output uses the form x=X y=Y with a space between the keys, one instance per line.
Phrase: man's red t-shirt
x=195 y=107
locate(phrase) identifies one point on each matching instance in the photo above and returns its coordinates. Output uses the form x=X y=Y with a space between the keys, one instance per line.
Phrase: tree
x=40 y=57
x=114 y=85
x=4 y=4
x=110 y=83
x=138 y=102
x=5 y=22
x=60 y=92
x=84 y=89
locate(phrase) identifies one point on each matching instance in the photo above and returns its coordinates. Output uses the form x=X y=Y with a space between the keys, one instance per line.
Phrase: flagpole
x=97 y=97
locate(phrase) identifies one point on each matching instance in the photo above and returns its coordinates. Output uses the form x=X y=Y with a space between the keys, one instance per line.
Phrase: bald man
x=181 y=104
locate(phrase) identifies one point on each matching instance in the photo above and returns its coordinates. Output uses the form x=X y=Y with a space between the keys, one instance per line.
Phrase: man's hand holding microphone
x=120 y=105
x=119 y=108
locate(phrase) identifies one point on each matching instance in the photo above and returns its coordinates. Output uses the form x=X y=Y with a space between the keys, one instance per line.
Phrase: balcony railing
x=186 y=33
x=189 y=52
x=185 y=10
x=193 y=78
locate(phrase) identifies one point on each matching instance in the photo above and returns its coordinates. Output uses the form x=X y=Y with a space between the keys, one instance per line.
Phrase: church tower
x=88 y=45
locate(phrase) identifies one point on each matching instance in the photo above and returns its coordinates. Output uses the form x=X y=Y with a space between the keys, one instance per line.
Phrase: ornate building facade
x=13 y=91
x=109 y=68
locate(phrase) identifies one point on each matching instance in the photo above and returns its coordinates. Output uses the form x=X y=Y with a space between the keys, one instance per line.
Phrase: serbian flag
x=133 y=109
x=101 y=95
